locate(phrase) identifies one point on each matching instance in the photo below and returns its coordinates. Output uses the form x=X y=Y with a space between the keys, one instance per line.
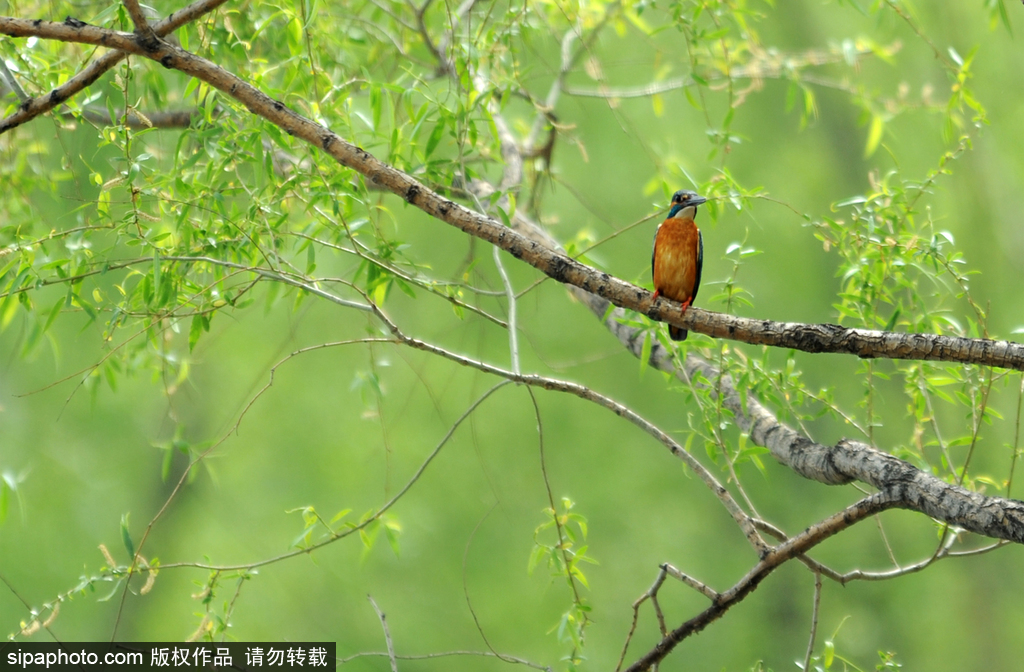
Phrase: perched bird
x=678 y=255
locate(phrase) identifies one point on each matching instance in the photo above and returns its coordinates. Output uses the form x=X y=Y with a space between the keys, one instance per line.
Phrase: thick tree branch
x=33 y=107
x=147 y=38
x=851 y=460
x=842 y=463
x=845 y=462
x=805 y=337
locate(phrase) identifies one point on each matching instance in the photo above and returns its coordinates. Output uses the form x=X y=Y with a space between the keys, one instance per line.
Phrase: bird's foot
x=654 y=298
x=686 y=304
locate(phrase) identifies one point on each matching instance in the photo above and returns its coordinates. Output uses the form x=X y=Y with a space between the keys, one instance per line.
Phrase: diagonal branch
x=7 y=77
x=139 y=120
x=794 y=547
x=387 y=633
x=805 y=337
x=33 y=107
x=147 y=38
x=842 y=463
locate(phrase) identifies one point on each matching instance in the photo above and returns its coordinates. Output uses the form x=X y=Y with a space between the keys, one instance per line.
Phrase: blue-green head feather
x=685 y=199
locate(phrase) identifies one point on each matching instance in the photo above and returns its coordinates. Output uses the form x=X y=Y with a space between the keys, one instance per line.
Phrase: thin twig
x=339 y=535
x=465 y=588
x=1016 y=438
x=794 y=547
x=12 y=81
x=805 y=337
x=510 y=296
x=562 y=546
x=651 y=592
x=771 y=67
x=387 y=633
x=814 y=621
x=96 y=69
x=444 y=654
x=700 y=587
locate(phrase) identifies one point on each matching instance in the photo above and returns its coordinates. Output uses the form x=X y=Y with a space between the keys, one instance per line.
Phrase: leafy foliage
x=153 y=241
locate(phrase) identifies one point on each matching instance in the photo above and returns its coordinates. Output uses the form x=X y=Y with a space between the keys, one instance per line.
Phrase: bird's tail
x=677 y=334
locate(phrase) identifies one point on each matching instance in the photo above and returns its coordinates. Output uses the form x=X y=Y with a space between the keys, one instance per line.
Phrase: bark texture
x=842 y=463
x=805 y=337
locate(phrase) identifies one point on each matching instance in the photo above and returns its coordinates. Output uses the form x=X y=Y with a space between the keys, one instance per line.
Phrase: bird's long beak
x=697 y=200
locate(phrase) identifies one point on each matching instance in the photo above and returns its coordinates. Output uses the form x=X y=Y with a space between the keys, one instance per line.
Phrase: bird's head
x=684 y=204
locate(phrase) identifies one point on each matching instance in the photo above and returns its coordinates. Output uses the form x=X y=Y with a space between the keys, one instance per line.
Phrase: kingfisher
x=678 y=255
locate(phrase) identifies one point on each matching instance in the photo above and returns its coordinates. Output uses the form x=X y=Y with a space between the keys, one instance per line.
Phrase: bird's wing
x=654 y=251
x=700 y=265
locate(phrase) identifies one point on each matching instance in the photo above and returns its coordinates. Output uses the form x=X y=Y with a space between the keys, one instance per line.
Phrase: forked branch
x=805 y=337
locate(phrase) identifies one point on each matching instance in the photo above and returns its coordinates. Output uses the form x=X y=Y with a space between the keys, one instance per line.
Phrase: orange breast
x=675 y=259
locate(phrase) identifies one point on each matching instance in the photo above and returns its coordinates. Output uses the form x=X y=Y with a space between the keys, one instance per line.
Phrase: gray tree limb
x=847 y=461
x=805 y=337
x=33 y=107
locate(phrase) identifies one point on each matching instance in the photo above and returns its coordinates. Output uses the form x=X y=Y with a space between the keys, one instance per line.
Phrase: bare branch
x=339 y=535
x=510 y=296
x=814 y=621
x=443 y=65
x=387 y=634
x=788 y=550
x=806 y=337
x=147 y=38
x=12 y=82
x=583 y=392
x=649 y=595
x=701 y=588
x=444 y=654
x=42 y=104
x=137 y=119
x=556 y=89
x=763 y=65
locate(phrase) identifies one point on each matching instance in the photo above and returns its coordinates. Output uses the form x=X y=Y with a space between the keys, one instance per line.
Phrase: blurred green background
x=321 y=436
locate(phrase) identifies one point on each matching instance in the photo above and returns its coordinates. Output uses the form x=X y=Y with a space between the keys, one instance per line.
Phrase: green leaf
x=391 y=531
x=580 y=576
x=294 y=31
x=376 y=105
x=126 y=537
x=54 y=312
x=165 y=468
x=892 y=320
x=5 y=500
x=874 y=135
x=435 y=138
x=535 y=557
x=339 y=515
x=195 y=331
x=645 y=353
x=156 y=275
x=791 y=96
x=504 y=217
x=691 y=99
